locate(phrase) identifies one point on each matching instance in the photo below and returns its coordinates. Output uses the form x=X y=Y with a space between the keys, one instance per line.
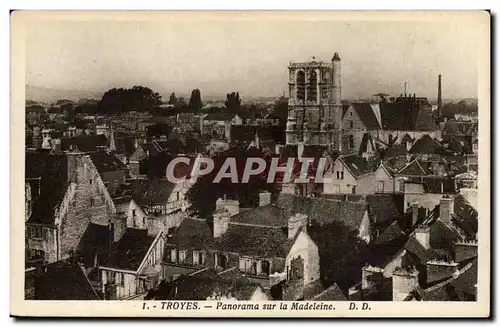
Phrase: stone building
x=314 y=105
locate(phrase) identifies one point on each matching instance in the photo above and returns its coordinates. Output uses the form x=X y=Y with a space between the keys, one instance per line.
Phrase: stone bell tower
x=315 y=107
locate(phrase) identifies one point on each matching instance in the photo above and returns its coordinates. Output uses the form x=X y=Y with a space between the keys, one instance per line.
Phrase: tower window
x=313 y=84
x=301 y=80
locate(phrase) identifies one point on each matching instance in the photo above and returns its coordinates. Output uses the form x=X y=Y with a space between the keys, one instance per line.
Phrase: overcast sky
x=250 y=56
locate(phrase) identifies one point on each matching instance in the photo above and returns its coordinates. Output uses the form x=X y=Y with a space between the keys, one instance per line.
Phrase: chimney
x=231 y=206
x=56 y=146
x=465 y=250
x=423 y=236
x=439 y=99
x=414 y=213
x=264 y=198
x=371 y=277
x=404 y=281
x=446 y=209
x=295 y=223
x=439 y=270
x=220 y=222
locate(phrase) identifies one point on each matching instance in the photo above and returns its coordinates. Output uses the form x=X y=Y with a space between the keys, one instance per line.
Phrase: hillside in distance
x=49 y=95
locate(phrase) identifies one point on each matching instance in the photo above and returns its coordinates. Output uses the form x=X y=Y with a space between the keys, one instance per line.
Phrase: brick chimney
x=423 y=236
x=439 y=270
x=404 y=280
x=446 y=209
x=295 y=222
x=371 y=277
x=465 y=250
x=264 y=198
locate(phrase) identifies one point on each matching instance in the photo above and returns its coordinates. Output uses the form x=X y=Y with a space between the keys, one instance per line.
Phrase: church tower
x=315 y=107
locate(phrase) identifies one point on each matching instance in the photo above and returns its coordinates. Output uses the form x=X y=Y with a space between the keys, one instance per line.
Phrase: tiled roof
x=426 y=145
x=407 y=116
x=452 y=288
x=384 y=209
x=465 y=216
x=414 y=168
x=268 y=215
x=199 y=287
x=85 y=143
x=52 y=171
x=129 y=252
x=242 y=239
x=63 y=281
x=150 y=191
x=96 y=240
x=366 y=115
x=332 y=293
x=423 y=255
x=323 y=210
x=106 y=162
x=219 y=116
x=460 y=128
x=357 y=165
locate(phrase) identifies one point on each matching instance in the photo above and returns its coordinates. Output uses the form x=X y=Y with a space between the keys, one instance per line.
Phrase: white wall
x=305 y=247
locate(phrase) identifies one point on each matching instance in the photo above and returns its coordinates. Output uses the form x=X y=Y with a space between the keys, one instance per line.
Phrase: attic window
x=350 y=113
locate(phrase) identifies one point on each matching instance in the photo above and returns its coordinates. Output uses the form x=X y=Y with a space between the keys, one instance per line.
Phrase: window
x=354 y=190
x=36 y=232
x=133 y=212
x=301 y=79
x=246 y=265
x=173 y=255
x=351 y=124
x=220 y=261
x=90 y=181
x=266 y=267
x=341 y=175
x=338 y=174
x=36 y=255
x=350 y=113
x=381 y=186
x=143 y=221
x=182 y=256
x=198 y=258
x=178 y=196
x=312 y=89
x=92 y=202
x=351 y=141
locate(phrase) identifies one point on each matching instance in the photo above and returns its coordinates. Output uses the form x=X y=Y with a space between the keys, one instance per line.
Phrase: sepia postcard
x=250 y=164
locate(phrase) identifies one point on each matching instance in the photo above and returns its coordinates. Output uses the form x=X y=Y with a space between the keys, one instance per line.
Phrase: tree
x=173 y=99
x=233 y=102
x=181 y=102
x=195 y=103
x=340 y=252
x=280 y=110
x=138 y=98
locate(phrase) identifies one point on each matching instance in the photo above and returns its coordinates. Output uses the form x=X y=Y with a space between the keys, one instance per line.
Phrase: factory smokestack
x=440 y=104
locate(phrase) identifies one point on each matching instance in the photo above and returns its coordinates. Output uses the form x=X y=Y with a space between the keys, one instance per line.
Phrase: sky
x=250 y=55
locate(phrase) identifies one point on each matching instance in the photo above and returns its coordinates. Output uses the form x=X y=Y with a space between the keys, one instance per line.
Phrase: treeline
x=461 y=107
